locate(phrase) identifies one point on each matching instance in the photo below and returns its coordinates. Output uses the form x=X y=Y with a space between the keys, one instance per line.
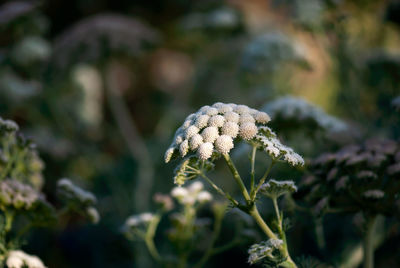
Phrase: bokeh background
x=102 y=85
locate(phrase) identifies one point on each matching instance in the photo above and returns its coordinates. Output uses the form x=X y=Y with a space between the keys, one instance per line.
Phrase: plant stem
x=219 y=190
x=261 y=223
x=278 y=216
x=262 y=180
x=209 y=252
x=368 y=243
x=237 y=177
x=252 y=172
x=149 y=238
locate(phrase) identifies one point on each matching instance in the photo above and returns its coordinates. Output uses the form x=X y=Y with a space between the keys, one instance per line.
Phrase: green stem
x=262 y=180
x=219 y=190
x=216 y=232
x=368 y=243
x=9 y=220
x=278 y=216
x=319 y=233
x=252 y=172
x=149 y=238
x=261 y=223
x=237 y=177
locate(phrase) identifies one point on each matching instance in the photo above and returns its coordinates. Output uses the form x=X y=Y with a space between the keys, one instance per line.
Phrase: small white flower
x=195 y=141
x=19 y=259
x=205 y=150
x=190 y=131
x=178 y=139
x=146 y=217
x=224 y=109
x=187 y=123
x=248 y=130
x=262 y=117
x=168 y=154
x=224 y=144
x=211 y=111
x=195 y=187
x=230 y=129
x=232 y=117
x=189 y=200
x=242 y=109
x=132 y=221
x=374 y=194
x=184 y=148
x=179 y=192
x=204 y=197
x=201 y=121
x=244 y=118
x=210 y=134
x=216 y=121
x=204 y=109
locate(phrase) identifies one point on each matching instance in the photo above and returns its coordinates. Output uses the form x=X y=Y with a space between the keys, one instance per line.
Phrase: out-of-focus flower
x=17 y=195
x=19 y=259
x=275 y=189
x=265 y=250
x=191 y=194
x=295 y=110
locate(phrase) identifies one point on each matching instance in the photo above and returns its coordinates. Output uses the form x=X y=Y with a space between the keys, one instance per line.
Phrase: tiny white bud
x=247 y=130
x=216 y=121
x=209 y=134
x=204 y=197
x=230 y=129
x=184 y=148
x=232 y=117
x=205 y=150
x=195 y=141
x=224 y=144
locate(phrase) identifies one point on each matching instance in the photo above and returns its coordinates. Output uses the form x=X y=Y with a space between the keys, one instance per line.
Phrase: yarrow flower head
x=274 y=189
x=214 y=130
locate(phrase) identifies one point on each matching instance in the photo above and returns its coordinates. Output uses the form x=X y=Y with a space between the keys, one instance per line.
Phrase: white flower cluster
x=135 y=221
x=274 y=188
x=214 y=129
x=191 y=194
x=300 y=110
x=265 y=249
x=19 y=259
x=78 y=199
x=272 y=146
x=374 y=194
x=17 y=195
x=70 y=191
x=8 y=125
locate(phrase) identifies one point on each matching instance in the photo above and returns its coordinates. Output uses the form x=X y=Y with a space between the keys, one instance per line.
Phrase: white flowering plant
x=23 y=205
x=212 y=133
x=186 y=227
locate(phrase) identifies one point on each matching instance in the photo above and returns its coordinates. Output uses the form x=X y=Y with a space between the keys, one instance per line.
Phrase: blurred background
x=101 y=86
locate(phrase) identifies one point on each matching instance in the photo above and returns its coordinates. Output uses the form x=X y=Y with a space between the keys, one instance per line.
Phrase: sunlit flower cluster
x=214 y=130
x=19 y=259
x=191 y=194
x=299 y=111
x=264 y=251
